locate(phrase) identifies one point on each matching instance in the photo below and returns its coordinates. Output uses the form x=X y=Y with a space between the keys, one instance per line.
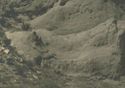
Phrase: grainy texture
x=62 y=44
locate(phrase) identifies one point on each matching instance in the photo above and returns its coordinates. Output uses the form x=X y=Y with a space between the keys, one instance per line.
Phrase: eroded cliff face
x=65 y=44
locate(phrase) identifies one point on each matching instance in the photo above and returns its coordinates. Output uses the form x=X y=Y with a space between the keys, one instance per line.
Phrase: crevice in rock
x=122 y=53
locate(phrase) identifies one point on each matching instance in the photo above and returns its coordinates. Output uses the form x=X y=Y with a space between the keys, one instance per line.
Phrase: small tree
x=25 y=26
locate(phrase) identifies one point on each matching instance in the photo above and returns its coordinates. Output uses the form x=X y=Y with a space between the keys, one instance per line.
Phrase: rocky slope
x=64 y=44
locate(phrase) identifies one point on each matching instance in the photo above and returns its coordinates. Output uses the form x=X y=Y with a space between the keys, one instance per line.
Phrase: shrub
x=25 y=26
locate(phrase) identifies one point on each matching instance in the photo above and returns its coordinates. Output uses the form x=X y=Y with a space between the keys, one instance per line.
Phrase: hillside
x=62 y=44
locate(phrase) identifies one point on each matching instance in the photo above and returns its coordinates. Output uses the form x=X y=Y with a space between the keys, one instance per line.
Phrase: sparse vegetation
x=62 y=44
